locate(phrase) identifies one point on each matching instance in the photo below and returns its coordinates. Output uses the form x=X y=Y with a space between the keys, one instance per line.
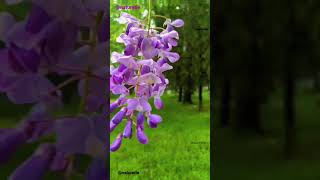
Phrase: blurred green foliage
x=19 y=11
x=248 y=156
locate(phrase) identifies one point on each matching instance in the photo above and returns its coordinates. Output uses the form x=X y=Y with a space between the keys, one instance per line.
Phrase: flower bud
x=154 y=120
x=113 y=106
x=112 y=126
x=158 y=103
x=128 y=129
x=116 y=144
x=143 y=139
x=117 y=118
x=140 y=120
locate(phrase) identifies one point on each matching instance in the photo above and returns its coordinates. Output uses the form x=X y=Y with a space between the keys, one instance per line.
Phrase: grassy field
x=178 y=149
x=247 y=157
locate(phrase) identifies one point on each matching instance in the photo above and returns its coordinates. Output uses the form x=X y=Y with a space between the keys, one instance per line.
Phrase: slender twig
x=159 y=16
x=139 y=74
x=95 y=76
x=70 y=69
x=149 y=17
x=65 y=83
x=130 y=87
x=158 y=28
x=88 y=74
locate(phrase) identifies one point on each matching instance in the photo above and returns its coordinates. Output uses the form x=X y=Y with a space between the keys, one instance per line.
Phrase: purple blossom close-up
x=68 y=41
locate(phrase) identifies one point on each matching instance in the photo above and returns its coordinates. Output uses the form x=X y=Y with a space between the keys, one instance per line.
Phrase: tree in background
x=263 y=46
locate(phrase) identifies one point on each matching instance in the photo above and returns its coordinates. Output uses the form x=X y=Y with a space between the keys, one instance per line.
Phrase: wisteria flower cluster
x=137 y=74
x=65 y=39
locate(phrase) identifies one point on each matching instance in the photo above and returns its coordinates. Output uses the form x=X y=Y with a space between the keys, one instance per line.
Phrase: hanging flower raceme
x=137 y=75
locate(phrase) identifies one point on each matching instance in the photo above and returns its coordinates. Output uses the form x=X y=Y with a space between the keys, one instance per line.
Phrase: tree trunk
x=187 y=92
x=289 y=91
x=248 y=98
x=225 y=103
x=200 y=96
x=316 y=81
x=289 y=104
x=180 y=94
x=200 y=85
x=187 y=96
x=248 y=112
x=188 y=83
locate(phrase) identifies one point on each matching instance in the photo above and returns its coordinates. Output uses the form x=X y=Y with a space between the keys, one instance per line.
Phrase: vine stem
x=149 y=17
x=158 y=28
x=139 y=74
x=134 y=123
x=159 y=16
x=85 y=73
x=67 y=82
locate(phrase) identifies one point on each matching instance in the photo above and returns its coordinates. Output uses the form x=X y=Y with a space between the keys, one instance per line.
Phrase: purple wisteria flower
x=137 y=75
x=49 y=44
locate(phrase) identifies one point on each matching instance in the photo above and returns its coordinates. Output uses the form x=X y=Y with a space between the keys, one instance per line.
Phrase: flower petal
x=35 y=167
x=6 y=22
x=177 y=23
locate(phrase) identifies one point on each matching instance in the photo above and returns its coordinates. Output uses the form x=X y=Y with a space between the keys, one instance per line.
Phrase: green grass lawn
x=172 y=152
x=247 y=157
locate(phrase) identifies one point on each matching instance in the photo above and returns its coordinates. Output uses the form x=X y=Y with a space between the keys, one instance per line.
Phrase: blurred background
x=267 y=89
x=13 y=114
x=180 y=147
